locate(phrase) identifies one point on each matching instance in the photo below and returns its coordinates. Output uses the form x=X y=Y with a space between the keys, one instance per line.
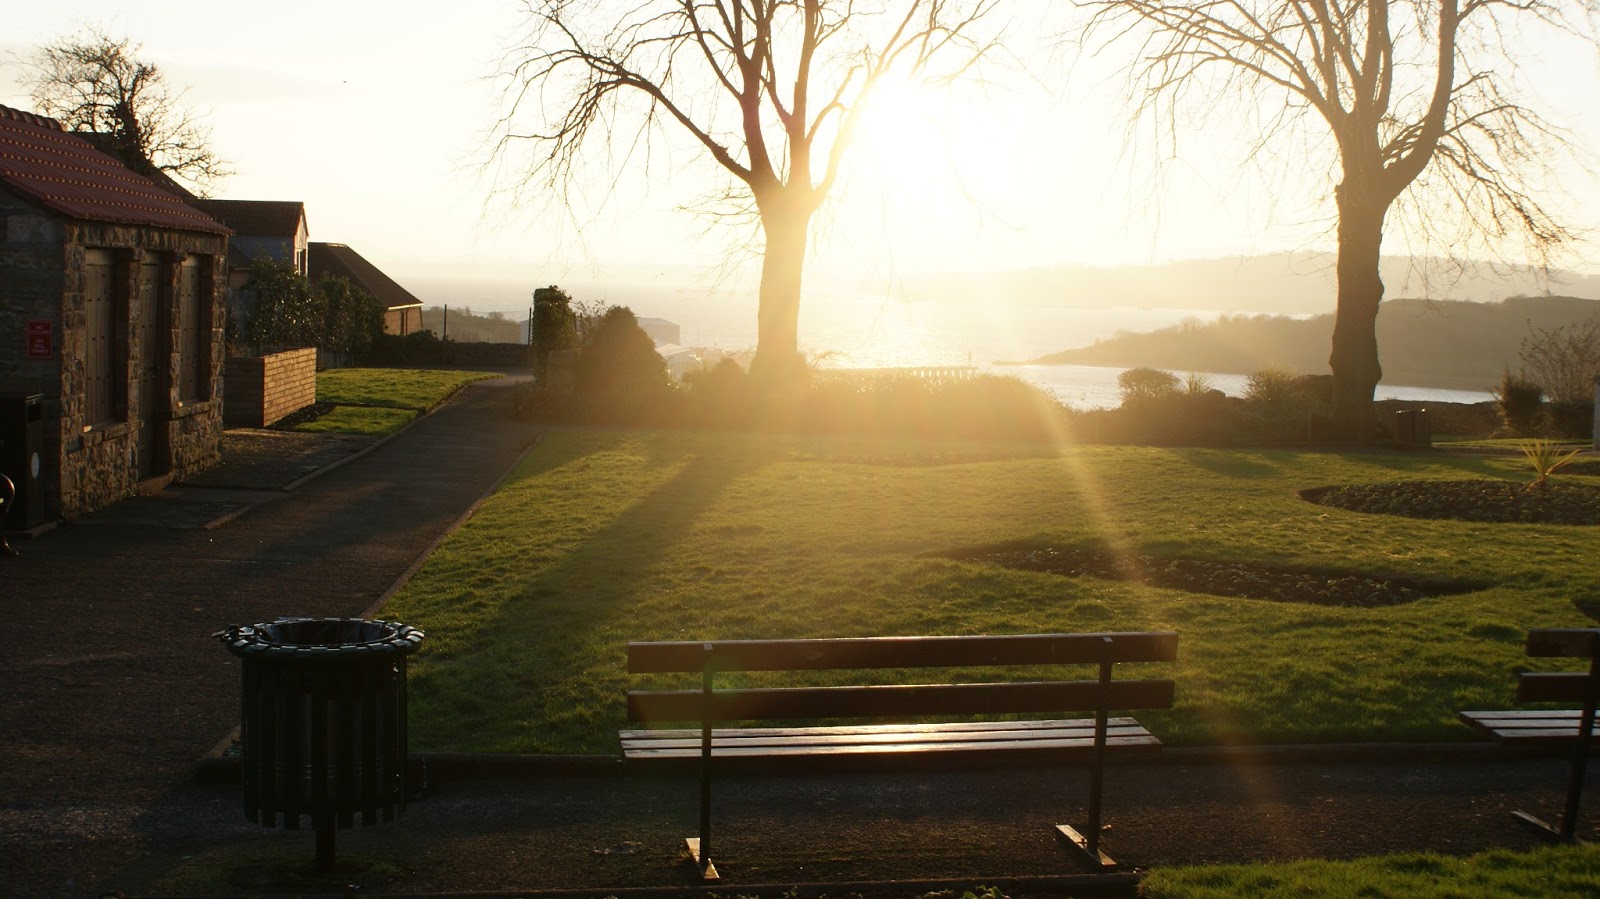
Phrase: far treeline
x=463 y=326
x=1424 y=343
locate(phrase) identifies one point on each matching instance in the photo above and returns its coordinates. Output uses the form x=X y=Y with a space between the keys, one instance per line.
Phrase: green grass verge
x=1550 y=872
x=380 y=401
x=369 y=420
x=601 y=538
x=395 y=388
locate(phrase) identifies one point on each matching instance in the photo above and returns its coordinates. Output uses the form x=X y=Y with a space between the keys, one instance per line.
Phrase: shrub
x=1142 y=384
x=618 y=374
x=1571 y=418
x=719 y=395
x=1273 y=388
x=1519 y=403
x=554 y=324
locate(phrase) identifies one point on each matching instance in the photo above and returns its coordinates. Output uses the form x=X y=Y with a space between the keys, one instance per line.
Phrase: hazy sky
x=374 y=113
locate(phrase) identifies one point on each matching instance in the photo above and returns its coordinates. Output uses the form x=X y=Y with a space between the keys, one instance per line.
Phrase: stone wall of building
x=42 y=265
x=32 y=263
x=260 y=390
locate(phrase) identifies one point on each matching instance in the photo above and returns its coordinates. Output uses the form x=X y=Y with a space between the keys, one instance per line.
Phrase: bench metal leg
x=708 y=871
x=1089 y=844
x=700 y=847
x=1081 y=843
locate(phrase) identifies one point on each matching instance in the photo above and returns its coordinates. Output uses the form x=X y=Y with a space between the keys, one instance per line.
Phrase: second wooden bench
x=1056 y=739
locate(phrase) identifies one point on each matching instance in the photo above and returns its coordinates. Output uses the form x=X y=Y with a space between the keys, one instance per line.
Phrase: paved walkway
x=113 y=688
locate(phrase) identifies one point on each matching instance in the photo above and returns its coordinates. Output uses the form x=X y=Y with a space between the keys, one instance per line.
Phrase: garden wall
x=259 y=390
x=488 y=355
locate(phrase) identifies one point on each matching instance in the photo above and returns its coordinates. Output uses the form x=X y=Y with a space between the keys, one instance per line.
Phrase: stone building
x=111 y=309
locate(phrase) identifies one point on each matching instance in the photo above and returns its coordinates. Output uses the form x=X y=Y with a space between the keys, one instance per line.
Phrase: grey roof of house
x=336 y=260
x=266 y=218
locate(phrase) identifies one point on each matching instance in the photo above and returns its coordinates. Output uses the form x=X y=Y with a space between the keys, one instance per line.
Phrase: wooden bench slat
x=1553 y=725
x=1562 y=642
x=780 y=750
x=846 y=729
x=1556 y=686
x=755 y=737
x=897 y=700
x=900 y=652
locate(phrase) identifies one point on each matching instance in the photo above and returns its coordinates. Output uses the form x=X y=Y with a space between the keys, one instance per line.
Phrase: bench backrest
x=1561 y=686
x=713 y=657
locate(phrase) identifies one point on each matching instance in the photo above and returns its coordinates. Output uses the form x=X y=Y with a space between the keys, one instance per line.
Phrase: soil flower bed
x=1467 y=500
x=1322 y=588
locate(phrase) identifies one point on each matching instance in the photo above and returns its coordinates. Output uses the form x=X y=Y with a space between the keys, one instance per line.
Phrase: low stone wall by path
x=259 y=390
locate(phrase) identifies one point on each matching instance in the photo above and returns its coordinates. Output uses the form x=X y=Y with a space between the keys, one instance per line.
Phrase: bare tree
x=1564 y=360
x=771 y=90
x=97 y=84
x=1412 y=92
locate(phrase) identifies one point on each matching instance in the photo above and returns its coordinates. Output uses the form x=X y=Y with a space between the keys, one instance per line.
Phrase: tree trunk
x=777 y=359
x=1355 y=330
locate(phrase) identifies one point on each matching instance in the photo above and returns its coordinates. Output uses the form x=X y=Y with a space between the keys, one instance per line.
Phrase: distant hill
x=1282 y=283
x=1421 y=343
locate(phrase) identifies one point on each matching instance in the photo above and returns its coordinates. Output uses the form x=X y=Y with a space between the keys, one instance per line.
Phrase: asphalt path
x=113 y=686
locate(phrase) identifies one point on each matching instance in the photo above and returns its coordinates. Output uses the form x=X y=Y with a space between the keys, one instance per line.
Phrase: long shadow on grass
x=545 y=670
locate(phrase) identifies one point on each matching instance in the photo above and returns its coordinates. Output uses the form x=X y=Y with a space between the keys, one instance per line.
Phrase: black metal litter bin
x=21 y=457
x=323 y=721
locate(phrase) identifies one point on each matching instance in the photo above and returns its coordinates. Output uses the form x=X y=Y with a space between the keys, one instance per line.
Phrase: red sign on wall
x=40 y=340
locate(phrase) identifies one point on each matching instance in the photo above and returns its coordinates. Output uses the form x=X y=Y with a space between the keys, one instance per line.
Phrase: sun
x=923 y=170
x=905 y=132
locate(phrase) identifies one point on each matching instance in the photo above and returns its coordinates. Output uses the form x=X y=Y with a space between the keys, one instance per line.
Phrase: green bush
x=618 y=376
x=1142 y=384
x=1520 y=404
x=720 y=395
x=1572 y=419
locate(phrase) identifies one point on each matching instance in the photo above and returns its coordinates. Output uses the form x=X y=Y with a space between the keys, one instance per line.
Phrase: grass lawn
x=373 y=421
x=1556 y=871
x=393 y=388
x=604 y=537
x=379 y=401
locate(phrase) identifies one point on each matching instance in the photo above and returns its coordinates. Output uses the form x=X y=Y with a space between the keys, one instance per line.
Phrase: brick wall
x=260 y=390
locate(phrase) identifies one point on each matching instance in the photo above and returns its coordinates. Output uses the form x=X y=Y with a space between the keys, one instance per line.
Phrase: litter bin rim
x=256 y=641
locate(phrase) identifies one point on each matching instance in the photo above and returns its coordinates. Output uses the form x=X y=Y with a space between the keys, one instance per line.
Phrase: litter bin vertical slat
x=321 y=814
x=345 y=775
x=372 y=698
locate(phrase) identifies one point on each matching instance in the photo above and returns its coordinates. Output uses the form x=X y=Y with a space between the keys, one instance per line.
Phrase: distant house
x=111 y=303
x=270 y=229
x=403 y=312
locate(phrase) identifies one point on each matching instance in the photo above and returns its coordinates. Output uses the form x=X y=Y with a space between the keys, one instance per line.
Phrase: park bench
x=714 y=745
x=1557 y=727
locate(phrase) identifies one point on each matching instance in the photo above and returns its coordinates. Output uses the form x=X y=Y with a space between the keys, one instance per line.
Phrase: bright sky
x=373 y=114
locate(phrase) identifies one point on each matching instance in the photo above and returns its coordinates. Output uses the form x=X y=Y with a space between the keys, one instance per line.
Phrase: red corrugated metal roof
x=42 y=161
